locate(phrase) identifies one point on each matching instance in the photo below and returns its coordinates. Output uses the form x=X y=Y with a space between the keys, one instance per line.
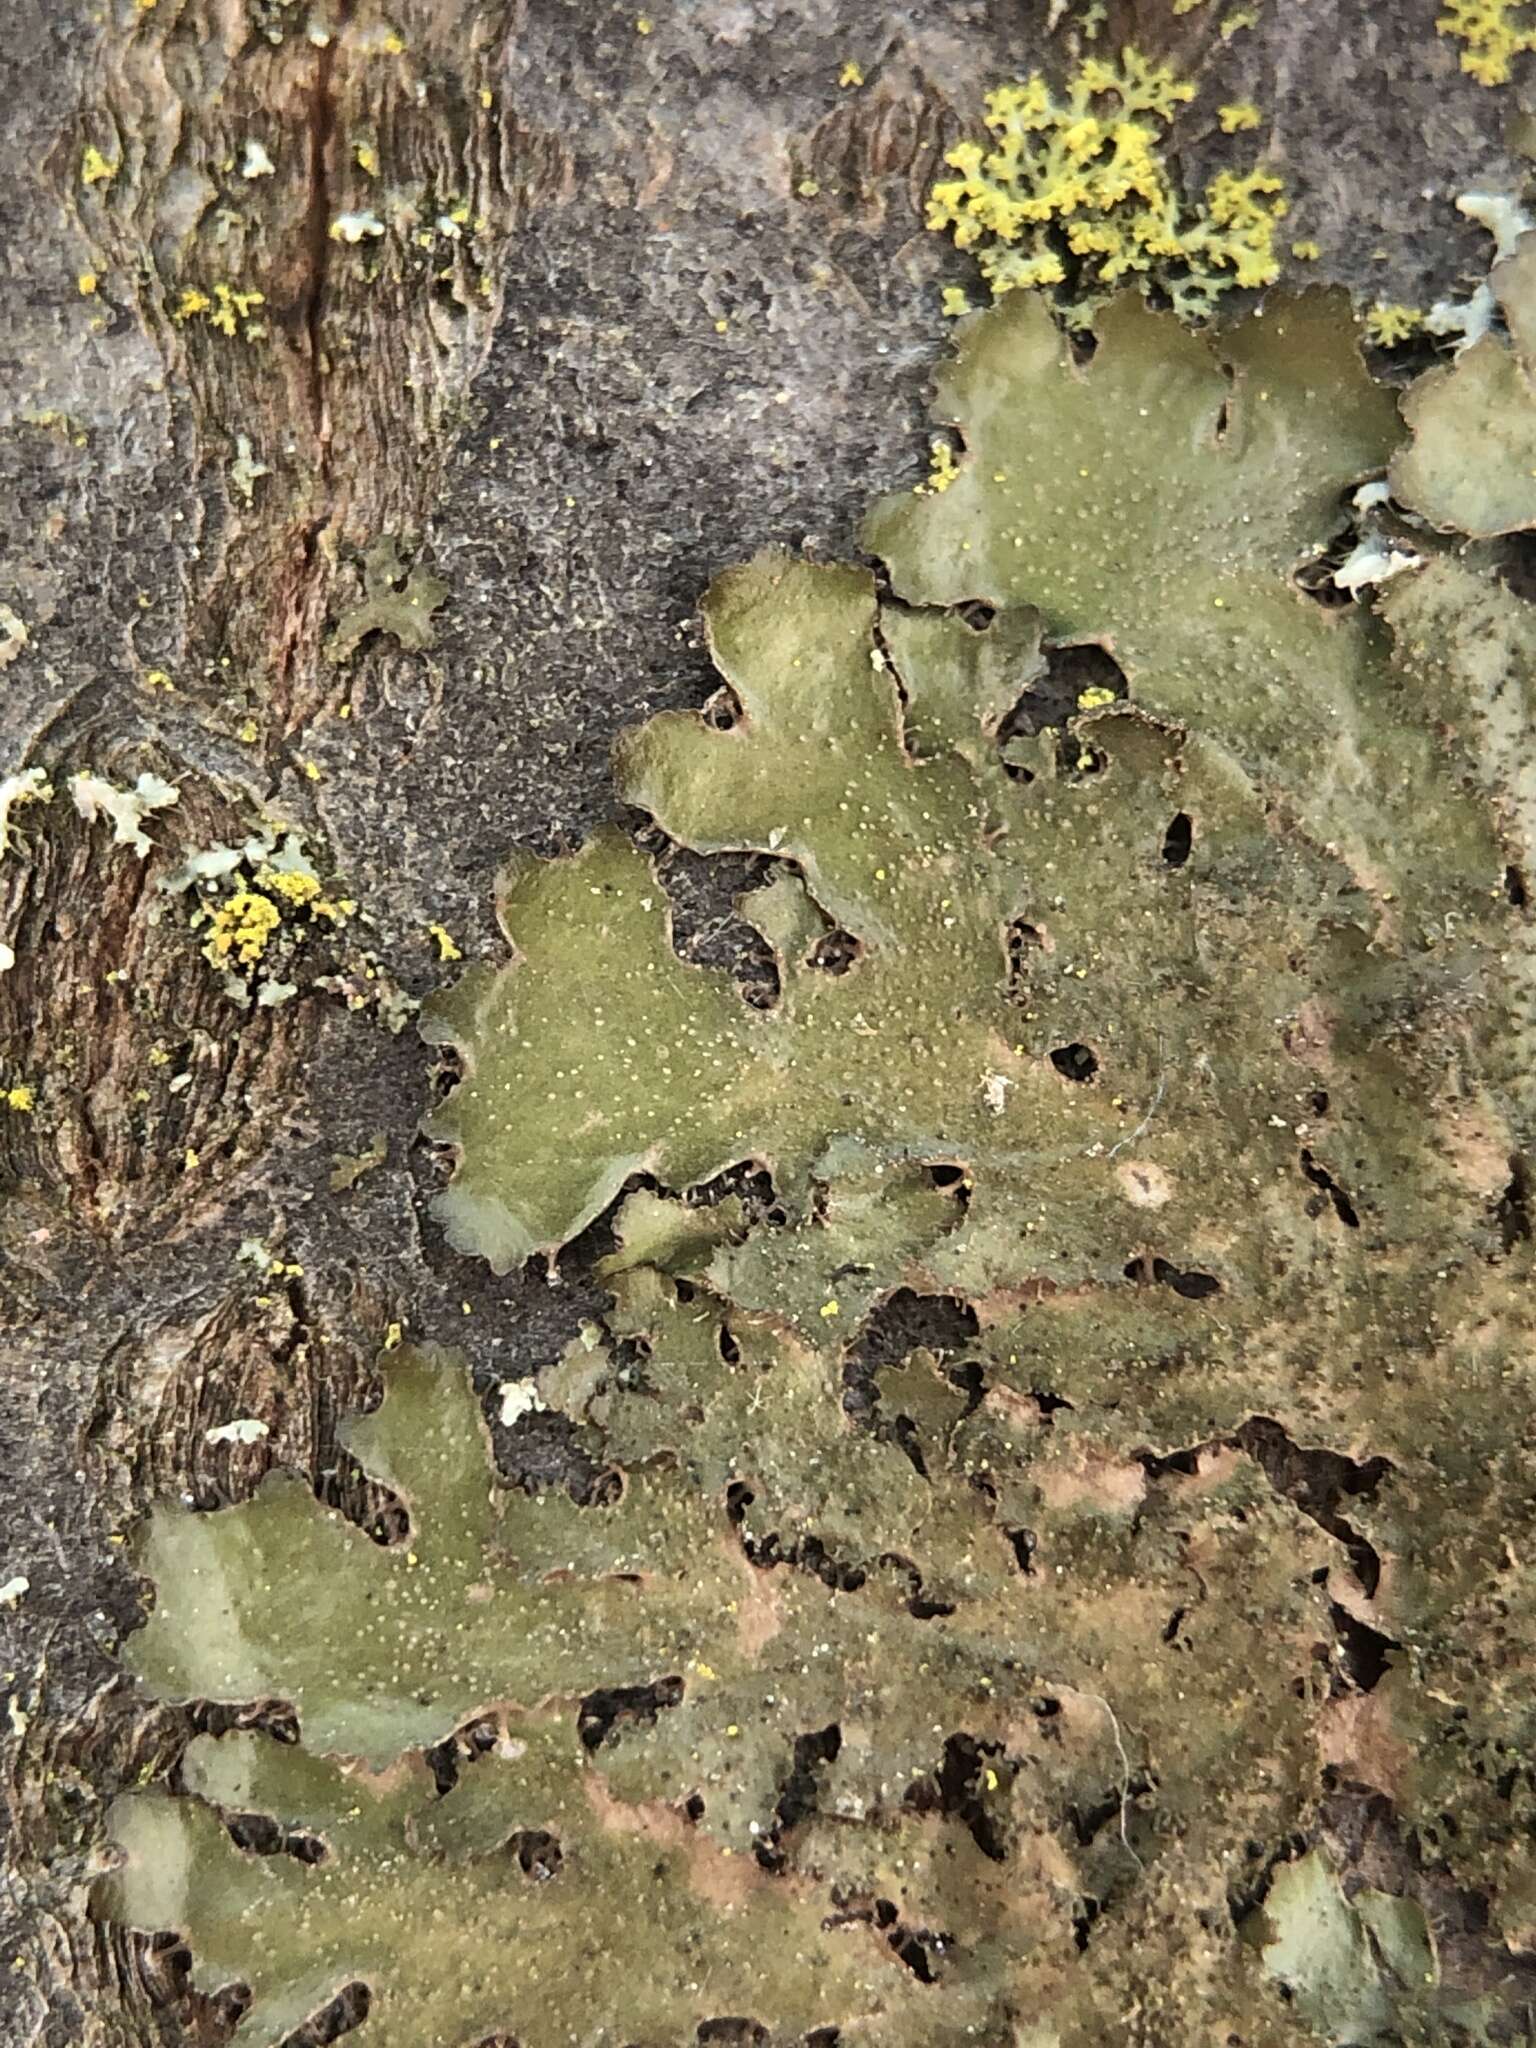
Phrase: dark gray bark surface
x=560 y=428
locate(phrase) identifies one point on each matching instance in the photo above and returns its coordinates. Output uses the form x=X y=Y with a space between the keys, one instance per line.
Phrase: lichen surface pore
x=1177 y=1030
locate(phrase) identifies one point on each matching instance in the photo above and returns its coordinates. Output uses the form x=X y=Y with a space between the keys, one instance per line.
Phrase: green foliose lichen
x=1471 y=464
x=1177 y=1029
x=397 y=599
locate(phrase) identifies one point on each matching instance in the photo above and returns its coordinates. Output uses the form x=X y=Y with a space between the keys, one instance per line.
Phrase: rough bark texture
x=640 y=354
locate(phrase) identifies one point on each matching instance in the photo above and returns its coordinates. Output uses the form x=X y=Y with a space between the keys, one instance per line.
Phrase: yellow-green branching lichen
x=246 y=471
x=1389 y=325
x=96 y=169
x=14 y=634
x=1074 y=194
x=224 y=308
x=1493 y=33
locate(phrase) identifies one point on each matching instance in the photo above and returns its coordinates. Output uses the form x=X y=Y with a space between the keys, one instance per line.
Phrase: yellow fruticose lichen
x=96 y=169
x=1387 y=325
x=447 y=947
x=1493 y=35
x=1074 y=193
x=852 y=73
x=22 y=1098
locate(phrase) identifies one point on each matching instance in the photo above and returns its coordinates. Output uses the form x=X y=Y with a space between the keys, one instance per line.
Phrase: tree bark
x=651 y=297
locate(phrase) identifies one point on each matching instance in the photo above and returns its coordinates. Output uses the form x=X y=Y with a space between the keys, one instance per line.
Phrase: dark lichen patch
x=920 y=1667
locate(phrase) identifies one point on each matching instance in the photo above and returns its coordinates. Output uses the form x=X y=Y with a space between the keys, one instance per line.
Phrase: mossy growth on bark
x=1149 y=908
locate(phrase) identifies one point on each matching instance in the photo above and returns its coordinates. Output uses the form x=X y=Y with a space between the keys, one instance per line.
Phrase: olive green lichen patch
x=1350 y=1964
x=1155 y=996
x=1471 y=465
x=667 y=1785
x=397 y=599
x=1075 y=197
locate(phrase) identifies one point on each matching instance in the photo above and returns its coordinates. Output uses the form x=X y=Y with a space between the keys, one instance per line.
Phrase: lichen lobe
x=1172 y=1052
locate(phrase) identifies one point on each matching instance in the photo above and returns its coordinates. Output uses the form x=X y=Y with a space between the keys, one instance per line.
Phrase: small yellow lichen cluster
x=242 y=925
x=226 y=309
x=1493 y=37
x=1387 y=325
x=245 y=922
x=942 y=469
x=1074 y=195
